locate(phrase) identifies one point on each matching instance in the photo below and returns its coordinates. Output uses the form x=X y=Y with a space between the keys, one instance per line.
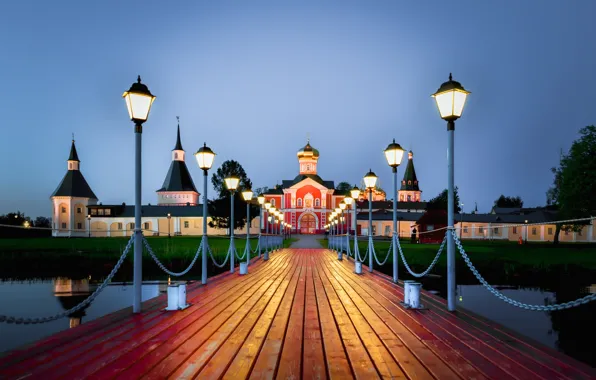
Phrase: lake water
x=570 y=331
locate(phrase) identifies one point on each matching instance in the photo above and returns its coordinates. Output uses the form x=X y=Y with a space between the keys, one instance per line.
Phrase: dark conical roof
x=74 y=185
x=73 y=153
x=410 y=181
x=178 y=143
x=178 y=178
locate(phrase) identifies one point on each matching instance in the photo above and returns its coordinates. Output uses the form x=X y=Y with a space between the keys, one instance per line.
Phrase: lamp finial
x=139 y=79
x=450 y=77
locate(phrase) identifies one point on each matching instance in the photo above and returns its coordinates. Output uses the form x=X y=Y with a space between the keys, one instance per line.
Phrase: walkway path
x=307 y=241
x=301 y=314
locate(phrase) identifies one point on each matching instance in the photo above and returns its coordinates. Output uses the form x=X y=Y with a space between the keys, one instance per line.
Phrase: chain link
x=386 y=257
x=213 y=258
x=430 y=267
x=561 y=306
x=163 y=267
x=8 y=319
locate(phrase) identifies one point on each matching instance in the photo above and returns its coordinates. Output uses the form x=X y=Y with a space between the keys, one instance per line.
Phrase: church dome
x=307 y=151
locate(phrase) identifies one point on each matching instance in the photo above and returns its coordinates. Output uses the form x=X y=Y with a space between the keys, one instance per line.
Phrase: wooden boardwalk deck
x=302 y=314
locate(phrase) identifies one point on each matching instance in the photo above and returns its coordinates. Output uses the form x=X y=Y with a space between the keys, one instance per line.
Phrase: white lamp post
x=247 y=196
x=261 y=200
x=138 y=102
x=205 y=158
x=355 y=193
x=450 y=98
x=232 y=185
x=394 y=153
x=370 y=181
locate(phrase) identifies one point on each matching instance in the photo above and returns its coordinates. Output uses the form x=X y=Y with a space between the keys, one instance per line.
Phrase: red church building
x=307 y=200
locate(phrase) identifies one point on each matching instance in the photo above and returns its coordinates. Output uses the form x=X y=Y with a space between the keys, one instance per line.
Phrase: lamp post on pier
x=394 y=153
x=89 y=224
x=138 y=102
x=370 y=180
x=205 y=157
x=261 y=200
x=247 y=196
x=450 y=99
x=355 y=193
x=169 y=217
x=232 y=185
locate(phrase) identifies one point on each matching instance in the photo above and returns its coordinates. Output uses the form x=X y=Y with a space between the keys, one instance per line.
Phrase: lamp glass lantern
x=355 y=192
x=232 y=182
x=138 y=101
x=370 y=180
x=394 y=153
x=451 y=98
x=247 y=195
x=205 y=157
x=349 y=200
x=261 y=200
x=267 y=205
x=343 y=204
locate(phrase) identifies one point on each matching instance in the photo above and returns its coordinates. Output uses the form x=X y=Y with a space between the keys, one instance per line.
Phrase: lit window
x=100 y=211
x=317 y=202
x=186 y=224
x=409 y=197
x=299 y=202
x=403 y=182
x=108 y=212
x=93 y=211
x=409 y=182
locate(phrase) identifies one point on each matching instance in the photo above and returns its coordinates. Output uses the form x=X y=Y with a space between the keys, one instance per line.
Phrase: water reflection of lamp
x=70 y=293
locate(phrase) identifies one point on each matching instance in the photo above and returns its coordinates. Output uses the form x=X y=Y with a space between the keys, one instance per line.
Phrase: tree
x=440 y=201
x=343 y=188
x=504 y=201
x=42 y=221
x=220 y=208
x=574 y=183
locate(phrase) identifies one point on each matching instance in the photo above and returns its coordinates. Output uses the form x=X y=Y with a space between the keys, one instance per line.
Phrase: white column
x=574 y=236
x=542 y=233
x=591 y=231
x=473 y=231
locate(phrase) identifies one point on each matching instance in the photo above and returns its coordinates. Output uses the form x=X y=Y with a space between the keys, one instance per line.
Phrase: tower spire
x=178 y=143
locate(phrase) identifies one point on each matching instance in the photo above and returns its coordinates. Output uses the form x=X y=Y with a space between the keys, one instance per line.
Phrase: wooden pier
x=302 y=314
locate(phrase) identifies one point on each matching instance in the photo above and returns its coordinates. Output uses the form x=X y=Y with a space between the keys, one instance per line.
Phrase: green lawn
x=485 y=252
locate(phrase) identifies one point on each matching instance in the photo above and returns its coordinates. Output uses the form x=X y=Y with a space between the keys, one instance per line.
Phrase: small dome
x=308 y=150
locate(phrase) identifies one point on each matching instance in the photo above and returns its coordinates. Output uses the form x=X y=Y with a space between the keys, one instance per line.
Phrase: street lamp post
x=89 y=224
x=232 y=185
x=394 y=153
x=526 y=239
x=355 y=193
x=450 y=98
x=247 y=196
x=261 y=200
x=267 y=205
x=138 y=102
x=370 y=180
x=461 y=219
x=205 y=157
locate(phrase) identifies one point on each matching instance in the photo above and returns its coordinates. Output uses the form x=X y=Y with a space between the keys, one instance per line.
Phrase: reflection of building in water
x=70 y=293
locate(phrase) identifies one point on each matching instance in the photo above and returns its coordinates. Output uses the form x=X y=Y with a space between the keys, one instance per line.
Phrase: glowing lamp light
x=247 y=195
x=343 y=205
x=138 y=101
x=261 y=199
x=281 y=217
x=451 y=98
x=267 y=205
x=394 y=153
x=349 y=200
x=355 y=192
x=337 y=210
x=370 y=180
x=205 y=157
x=232 y=182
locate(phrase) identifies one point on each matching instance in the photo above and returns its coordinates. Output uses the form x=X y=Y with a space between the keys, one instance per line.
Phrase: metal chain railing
x=386 y=257
x=213 y=258
x=430 y=267
x=8 y=319
x=163 y=267
x=561 y=306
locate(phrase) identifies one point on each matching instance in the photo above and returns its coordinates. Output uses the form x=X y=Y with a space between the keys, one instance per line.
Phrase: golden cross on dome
x=308 y=137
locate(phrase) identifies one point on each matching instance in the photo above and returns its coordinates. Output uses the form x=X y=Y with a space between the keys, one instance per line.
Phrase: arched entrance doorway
x=308 y=224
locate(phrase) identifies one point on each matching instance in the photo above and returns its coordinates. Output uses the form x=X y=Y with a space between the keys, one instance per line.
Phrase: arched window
x=409 y=198
x=299 y=202
x=403 y=182
x=176 y=155
x=409 y=182
x=272 y=202
x=317 y=202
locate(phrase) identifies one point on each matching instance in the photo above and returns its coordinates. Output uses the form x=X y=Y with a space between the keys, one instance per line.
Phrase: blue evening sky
x=253 y=78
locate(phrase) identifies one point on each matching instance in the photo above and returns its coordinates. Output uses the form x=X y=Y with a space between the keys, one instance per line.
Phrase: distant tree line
x=21 y=220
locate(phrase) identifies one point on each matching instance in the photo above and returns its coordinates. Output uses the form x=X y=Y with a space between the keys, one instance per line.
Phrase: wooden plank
x=168 y=355
x=218 y=364
x=134 y=350
x=197 y=350
x=406 y=349
x=363 y=361
x=338 y=364
x=379 y=351
x=241 y=366
x=290 y=363
x=313 y=363
x=268 y=357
